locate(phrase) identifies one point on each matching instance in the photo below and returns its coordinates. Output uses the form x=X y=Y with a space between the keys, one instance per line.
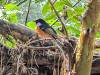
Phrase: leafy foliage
x=31 y=25
x=98 y=35
x=11 y=7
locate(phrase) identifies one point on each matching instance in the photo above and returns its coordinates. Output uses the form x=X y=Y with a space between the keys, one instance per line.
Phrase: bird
x=44 y=30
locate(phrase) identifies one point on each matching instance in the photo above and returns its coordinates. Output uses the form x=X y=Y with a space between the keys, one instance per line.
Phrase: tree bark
x=84 y=54
x=17 y=31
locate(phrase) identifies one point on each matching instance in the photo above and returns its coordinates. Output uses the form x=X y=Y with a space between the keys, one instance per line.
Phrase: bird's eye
x=39 y=24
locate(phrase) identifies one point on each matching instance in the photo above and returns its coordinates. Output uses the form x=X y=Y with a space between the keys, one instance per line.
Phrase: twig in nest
x=59 y=45
x=36 y=62
x=42 y=48
x=31 y=41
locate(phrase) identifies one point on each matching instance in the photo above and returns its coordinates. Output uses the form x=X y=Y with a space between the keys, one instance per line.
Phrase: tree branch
x=21 y=2
x=63 y=25
x=17 y=31
x=85 y=48
x=28 y=12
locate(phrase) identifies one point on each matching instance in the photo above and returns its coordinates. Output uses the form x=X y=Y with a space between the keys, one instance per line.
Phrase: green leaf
x=10 y=42
x=46 y=8
x=13 y=18
x=72 y=15
x=74 y=19
x=2 y=1
x=73 y=31
x=70 y=12
x=68 y=2
x=51 y=16
x=57 y=24
x=59 y=5
x=98 y=35
x=11 y=7
x=79 y=10
x=31 y=25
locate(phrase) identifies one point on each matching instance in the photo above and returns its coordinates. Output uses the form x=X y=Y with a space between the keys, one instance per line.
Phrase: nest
x=38 y=57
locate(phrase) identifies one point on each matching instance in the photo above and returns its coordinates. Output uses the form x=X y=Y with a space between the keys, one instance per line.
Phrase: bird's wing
x=51 y=32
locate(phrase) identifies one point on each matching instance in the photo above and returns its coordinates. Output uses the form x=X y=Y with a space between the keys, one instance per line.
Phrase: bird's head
x=41 y=22
x=43 y=25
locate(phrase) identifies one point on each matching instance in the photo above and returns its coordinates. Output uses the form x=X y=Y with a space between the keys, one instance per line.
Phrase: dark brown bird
x=44 y=30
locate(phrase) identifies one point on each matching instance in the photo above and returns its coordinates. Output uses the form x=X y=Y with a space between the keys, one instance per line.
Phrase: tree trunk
x=85 y=47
